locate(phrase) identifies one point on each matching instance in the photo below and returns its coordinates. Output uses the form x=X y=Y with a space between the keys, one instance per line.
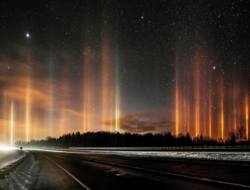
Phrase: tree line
x=111 y=139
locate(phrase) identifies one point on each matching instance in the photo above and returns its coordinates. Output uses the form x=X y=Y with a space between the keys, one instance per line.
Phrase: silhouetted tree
x=232 y=138
x=188 y=139
x=241 y=133
x=201 y=139
x=108 y=139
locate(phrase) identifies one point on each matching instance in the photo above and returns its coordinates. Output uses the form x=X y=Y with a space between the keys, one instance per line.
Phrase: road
x=97 y=171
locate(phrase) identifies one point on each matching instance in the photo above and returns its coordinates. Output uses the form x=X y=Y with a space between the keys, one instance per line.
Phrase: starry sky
x=128 y=66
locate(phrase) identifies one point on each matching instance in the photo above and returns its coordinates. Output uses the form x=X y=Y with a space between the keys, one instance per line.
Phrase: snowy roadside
x=23 y=177
x=227 y=156
x=10 y=157
x=4 y=154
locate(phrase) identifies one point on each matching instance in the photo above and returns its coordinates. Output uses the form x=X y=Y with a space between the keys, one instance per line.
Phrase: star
x=142 y=17
x=27 y=35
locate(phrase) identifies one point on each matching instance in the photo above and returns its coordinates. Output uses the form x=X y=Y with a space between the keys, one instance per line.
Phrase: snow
x=228 y=156
x=4 y=154
x=24 y=177
x=9 y=157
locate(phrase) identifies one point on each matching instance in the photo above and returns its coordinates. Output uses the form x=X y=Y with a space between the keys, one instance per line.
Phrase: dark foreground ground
x=93 y=171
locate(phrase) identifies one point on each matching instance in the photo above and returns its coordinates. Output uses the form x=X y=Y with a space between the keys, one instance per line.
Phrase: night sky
x=128 y=66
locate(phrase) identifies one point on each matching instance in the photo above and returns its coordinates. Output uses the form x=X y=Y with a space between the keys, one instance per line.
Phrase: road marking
x=77 y=180
x=179 y=175
x=166 y=173
x=155 y=171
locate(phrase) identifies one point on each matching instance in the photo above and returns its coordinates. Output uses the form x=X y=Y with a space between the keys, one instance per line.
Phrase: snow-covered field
x=230 y=156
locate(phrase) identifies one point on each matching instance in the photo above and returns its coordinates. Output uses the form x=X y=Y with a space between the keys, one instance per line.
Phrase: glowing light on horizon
x=202 y=102
x=11 y=124
x=117 y=115
x=184 y=127
x=87 y=91
x=63 y=118
x=234 y=108
x=27 y=113
x=188 y=117
x=6 y=148
x=197 y=98
x=247 y=117
x=221 y=90
x=222 y=120
x=4 y=115
x=210 y=114
x=35 y=126
x=117 y=97
x=51 y=99
x=107 y=94
x=50 y=110
x=176 y=102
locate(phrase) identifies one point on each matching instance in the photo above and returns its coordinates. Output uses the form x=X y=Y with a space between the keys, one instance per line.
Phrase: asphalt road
x=97 y=171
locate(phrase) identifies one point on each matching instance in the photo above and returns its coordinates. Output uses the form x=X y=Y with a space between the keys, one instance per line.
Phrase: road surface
x=97 y=171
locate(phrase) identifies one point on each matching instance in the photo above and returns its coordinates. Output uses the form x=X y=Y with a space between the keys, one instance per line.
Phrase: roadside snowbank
x=9 y=157
x=230 y=156
x=5 y=153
